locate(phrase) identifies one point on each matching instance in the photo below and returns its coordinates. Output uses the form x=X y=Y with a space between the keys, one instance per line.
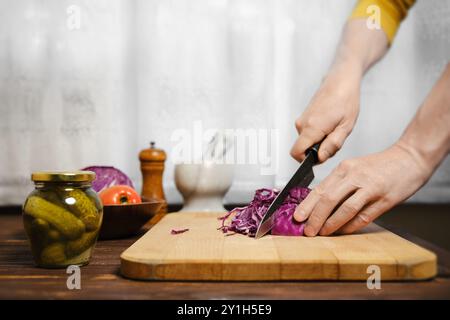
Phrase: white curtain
x=135 y=71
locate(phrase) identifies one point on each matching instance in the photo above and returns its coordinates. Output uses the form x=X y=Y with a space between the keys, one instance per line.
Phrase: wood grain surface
x=204 y=253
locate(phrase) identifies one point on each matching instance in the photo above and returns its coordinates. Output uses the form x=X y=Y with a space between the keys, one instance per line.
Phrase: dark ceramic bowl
x=121 y=221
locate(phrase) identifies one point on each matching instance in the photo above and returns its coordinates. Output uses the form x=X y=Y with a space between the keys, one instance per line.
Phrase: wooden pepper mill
x=152 y=168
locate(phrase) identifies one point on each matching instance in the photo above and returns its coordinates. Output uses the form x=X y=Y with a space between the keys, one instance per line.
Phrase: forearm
x=427 y=137
x=332 y=112
x=359 y=48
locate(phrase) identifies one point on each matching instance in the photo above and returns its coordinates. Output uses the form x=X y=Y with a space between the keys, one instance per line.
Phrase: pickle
x=76 y=247
x=38 y=227
x=61 y=219
x=37 y=233
x=54 y=235
x=53 y=254
x=84 y=209
x=50 y=196
x=41 y=224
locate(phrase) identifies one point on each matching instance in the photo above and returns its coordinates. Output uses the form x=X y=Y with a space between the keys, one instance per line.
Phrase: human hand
x=361 y=189
x=331 y=113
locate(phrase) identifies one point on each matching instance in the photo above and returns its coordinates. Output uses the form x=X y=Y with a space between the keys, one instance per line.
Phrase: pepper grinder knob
x=152 y=168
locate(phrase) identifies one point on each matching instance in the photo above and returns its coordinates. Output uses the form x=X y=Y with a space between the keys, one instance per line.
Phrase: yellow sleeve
x=392 y=12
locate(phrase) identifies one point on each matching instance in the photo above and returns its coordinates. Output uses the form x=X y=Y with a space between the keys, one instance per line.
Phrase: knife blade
x=301 y=178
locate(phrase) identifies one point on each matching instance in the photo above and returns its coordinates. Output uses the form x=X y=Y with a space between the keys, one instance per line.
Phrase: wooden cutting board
x=205 y=253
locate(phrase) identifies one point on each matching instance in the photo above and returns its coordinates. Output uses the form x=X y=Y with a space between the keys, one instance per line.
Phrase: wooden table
x=19 y=279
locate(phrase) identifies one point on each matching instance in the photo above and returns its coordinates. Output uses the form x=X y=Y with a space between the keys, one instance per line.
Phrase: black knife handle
x=315 y=150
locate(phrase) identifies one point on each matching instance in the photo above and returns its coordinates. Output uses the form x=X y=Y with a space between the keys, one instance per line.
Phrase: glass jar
x=62 y=218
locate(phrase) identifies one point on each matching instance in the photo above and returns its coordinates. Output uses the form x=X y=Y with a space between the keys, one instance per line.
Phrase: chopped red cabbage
x=246 y=219
x=107 y=177
x=174 y=231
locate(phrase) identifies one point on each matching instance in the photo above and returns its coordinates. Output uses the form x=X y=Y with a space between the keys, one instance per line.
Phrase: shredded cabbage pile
x=246 y=219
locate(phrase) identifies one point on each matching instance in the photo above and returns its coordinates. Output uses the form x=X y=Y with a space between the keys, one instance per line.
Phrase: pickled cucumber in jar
x=62 y=218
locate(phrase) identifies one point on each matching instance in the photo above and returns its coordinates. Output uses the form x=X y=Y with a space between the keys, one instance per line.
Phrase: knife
x=301 y=178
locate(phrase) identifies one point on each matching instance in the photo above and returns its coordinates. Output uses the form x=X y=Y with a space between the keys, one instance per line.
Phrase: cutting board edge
x=157 y=271
x=423 y=270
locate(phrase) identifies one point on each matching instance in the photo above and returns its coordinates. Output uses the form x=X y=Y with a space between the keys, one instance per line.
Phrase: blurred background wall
x=135 y=70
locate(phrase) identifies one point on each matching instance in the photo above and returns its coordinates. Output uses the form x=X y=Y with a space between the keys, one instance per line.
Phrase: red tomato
x=119 y=195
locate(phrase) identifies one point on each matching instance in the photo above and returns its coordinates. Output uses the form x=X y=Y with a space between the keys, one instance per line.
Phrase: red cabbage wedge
x=246 y=219
x=107 y=177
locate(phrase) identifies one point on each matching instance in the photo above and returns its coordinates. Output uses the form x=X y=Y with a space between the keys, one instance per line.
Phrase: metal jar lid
x=63 y=176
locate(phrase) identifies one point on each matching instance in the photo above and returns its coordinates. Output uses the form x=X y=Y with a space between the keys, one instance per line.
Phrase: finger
x=332 y=143
x=363 y=218
x=345 y=212
x=329 y=200
x=308 y=137
x=304 y=209
x=299 y=125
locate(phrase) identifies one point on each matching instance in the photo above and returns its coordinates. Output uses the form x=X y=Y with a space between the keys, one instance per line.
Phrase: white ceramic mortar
x=203 y=186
